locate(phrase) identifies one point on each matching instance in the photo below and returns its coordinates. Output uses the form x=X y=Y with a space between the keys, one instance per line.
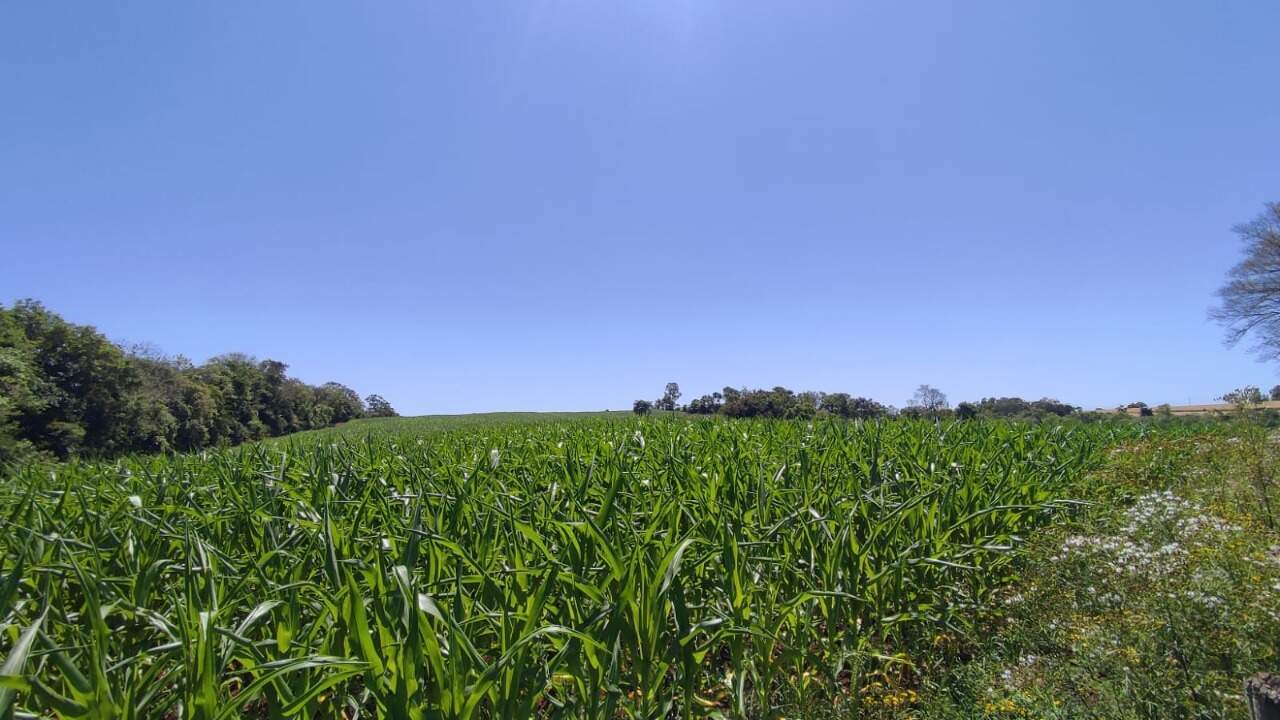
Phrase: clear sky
x=563 y=205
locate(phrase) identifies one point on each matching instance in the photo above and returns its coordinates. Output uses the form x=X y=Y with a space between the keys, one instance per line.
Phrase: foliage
x=776 y=403
x=1156 y=603
x=670 y=396
x=377 y=406
x=602 y=568
x=68 y=391
x=642 y=407
x=1243 y=397
x=23 y=392
x=779 y=402
x=705 y=405
x=1015 y=408
x=842 y=405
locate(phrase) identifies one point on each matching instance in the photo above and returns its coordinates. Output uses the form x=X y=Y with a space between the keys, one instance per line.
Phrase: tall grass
x=589 y=569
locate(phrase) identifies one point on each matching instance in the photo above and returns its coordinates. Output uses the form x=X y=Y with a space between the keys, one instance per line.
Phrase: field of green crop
x=587 y=568
x=392 y=427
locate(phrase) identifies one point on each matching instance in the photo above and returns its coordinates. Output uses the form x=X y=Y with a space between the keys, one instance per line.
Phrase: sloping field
x=592 y=568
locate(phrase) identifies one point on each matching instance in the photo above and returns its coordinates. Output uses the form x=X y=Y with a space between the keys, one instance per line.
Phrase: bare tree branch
x=1249 y=302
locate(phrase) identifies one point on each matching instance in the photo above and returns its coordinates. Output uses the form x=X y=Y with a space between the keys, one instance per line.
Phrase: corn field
x=579 y=569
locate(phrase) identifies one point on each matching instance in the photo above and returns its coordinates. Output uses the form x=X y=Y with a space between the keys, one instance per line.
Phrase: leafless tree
x=1250 y=301
x=929 y=398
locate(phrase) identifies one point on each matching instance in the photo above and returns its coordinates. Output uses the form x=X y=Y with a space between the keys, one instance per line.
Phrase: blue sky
x=564 y=205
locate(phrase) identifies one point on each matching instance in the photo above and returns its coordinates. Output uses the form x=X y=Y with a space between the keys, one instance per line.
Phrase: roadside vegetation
x=1156 y=601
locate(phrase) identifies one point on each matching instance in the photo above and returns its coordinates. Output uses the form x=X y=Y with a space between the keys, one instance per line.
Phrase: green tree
x=22 y=388
x=865 y=408
x=236 y=383
x=86 y=382
x=837 y=404
x=777 y=403
x=377 y=406
x=705 y=405
x=670 y=396
x=343 y=402
x=1051 y=406
x=66 y=390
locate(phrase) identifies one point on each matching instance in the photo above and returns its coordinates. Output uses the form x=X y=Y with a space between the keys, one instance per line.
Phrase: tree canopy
x=65 y=390
x=377 y=406
x=781 y=402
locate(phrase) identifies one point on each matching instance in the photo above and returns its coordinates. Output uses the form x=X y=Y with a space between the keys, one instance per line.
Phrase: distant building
x=1208 y=409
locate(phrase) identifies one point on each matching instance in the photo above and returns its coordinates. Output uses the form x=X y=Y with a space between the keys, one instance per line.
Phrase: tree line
x=66 y=390
x=780 y=402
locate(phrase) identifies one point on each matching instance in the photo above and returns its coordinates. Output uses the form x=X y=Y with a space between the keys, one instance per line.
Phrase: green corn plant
x=638 y=568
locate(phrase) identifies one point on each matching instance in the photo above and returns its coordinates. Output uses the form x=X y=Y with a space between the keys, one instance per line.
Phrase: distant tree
x=377 y=406
x=1275 y=393
x=705 y=405
x=1003 y=407
x=809 y=402
x=837 y=404
x=1243 y=397
x=966 y=411
x=642 y=407
x=1016 y=407
x=670 y=396
x=343 y=402
x=929 y=399
x=66 y=390
x=866 y=408
x=777 y=403
x=1250 y=300
x=843 y=405
x=800 y=405
x=1054 y=407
